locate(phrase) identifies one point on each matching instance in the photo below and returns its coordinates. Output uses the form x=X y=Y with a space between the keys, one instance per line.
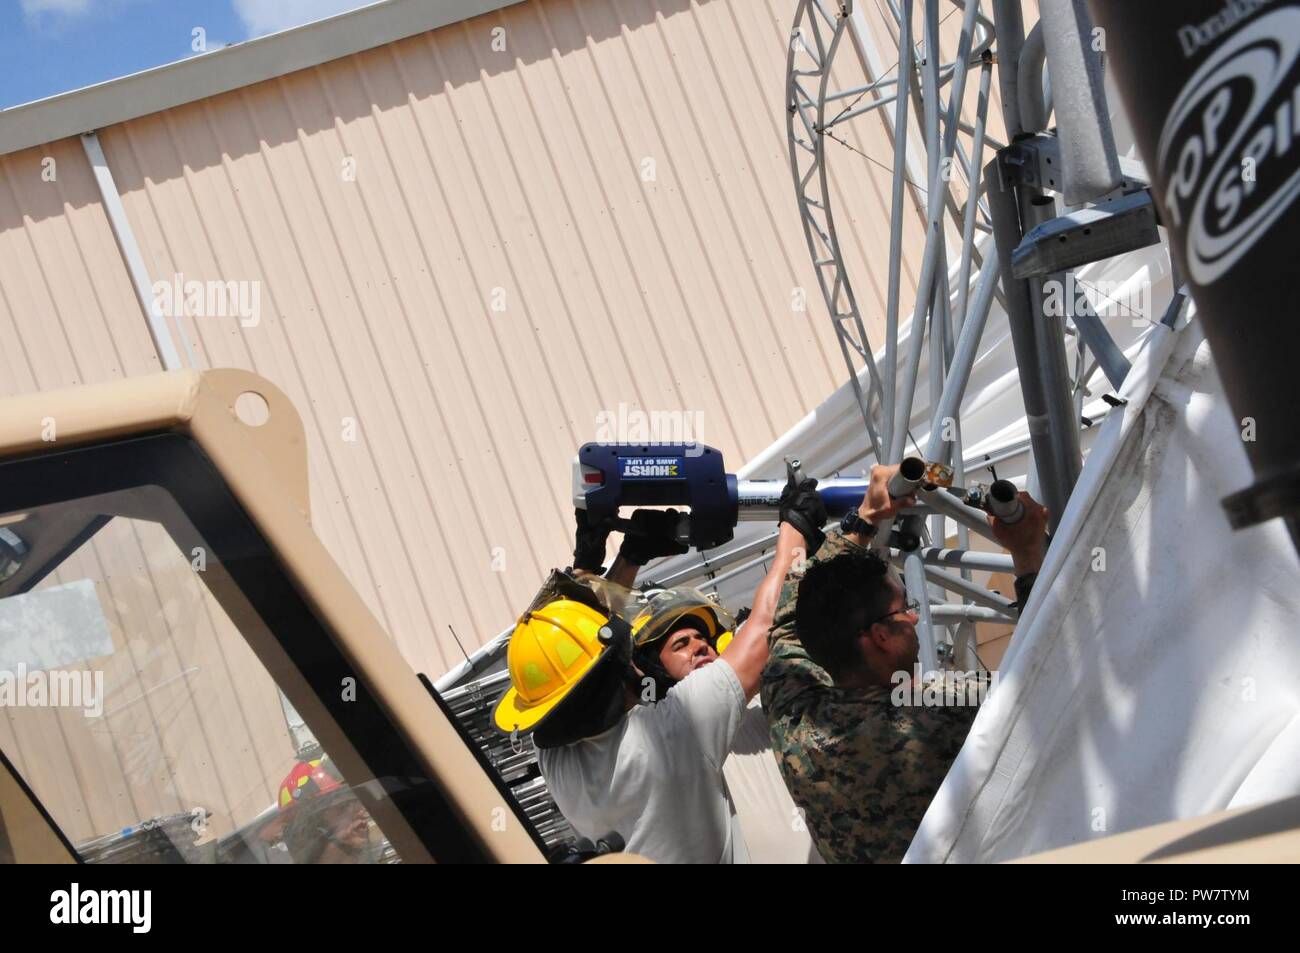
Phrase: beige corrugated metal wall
x=616 y=183
x=67 y=312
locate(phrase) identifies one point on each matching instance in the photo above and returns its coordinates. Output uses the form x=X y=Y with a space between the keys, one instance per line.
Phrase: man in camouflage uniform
x=862 y=768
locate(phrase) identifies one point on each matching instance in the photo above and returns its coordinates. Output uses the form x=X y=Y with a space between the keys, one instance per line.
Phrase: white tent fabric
x=1157 y=684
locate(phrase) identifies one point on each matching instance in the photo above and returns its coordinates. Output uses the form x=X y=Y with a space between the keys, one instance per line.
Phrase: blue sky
x=52 y=46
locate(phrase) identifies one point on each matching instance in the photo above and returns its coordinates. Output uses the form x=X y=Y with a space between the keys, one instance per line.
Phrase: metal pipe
x=1053 y=367
x=477 y=661
x=1005 y=503
x=1082 y=373
x=992 y=143
x=859 y=90
x=1093 y=332
x=1089 y=163
x=930 y=92
x=758 y=499
x=873 y=66
x=965 y=559
x=1025 y=331
x=955 y=509
x=948 y=147
x=732 y=573
x=977 y=594
x=168 y=355
x=955 y=584
x=1009 y=27
x=954 y=388
x=963 y=532
x=911 y=471
x=948 y=612
x=896 y=226
x=934 y=233
x=964 y=654
x=861 y=110
x=908 y=478
x=938 y=335
x=1029 y=82
x=963 y=163
x=973 y=195
x=963 y=59
x=906 y=391
x=914 y=578
x=713 y=563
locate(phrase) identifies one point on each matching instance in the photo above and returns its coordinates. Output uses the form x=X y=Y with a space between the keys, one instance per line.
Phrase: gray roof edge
x=243 y=64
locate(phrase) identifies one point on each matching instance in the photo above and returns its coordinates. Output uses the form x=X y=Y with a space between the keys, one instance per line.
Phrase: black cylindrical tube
x=1212 y=88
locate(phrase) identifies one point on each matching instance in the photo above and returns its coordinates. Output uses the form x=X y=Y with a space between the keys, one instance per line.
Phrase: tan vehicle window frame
x=273 y=617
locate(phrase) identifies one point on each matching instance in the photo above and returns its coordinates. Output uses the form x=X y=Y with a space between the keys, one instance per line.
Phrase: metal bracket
x=1089 y=234
x=1036 y=161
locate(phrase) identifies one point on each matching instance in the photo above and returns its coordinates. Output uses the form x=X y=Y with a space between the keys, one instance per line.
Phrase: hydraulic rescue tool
x=607 y=476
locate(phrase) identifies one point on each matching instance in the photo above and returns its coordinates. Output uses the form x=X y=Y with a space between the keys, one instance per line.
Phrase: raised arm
x=651 y=537
x=800 y=507
x=1026 y=541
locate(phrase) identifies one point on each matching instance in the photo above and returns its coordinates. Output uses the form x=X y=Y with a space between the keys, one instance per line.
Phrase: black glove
x=589 y=544
x=802 y=508
x=653 y=534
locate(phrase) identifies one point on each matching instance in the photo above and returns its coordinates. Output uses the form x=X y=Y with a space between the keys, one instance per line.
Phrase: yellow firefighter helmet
x=550 y=651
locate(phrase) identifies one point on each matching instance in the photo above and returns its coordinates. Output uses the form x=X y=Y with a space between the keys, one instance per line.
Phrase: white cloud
x=61 y=13
x=32 y=8
x=269 y=16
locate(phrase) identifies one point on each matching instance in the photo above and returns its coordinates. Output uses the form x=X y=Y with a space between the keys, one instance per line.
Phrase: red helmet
x=309 y=779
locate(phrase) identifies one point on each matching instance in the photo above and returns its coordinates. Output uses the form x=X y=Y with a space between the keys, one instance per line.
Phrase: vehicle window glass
x=136 y=712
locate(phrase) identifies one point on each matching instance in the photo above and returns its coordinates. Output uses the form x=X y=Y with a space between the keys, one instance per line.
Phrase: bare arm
x=1025 y=540
x=747 y=653
x=623 y=572
x=652 y=536
x=877 y=505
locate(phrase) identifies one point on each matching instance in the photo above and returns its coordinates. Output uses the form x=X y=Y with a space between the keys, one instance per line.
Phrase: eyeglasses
x=910 y=607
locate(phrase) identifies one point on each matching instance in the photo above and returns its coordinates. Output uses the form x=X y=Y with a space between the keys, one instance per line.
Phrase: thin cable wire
x=889 y=169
